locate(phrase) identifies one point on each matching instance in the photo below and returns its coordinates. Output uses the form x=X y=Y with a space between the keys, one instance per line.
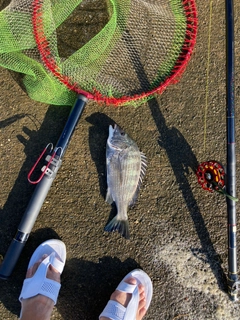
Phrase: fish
x=126 y=167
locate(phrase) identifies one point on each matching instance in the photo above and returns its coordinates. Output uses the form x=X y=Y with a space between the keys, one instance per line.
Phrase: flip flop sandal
x=39 y=283
x=116 y=311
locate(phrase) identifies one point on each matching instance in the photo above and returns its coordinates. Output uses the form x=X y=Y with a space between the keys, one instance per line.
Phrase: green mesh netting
x=141 y=48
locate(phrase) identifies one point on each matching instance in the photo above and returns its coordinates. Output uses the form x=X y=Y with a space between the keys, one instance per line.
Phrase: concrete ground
x=178 y=231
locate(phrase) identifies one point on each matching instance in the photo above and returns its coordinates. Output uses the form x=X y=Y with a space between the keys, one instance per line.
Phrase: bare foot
x=39 y=307
x=124 y=298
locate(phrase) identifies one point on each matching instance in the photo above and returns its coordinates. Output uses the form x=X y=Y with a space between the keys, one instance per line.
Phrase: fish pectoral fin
x=109 y=198
x=142 y=174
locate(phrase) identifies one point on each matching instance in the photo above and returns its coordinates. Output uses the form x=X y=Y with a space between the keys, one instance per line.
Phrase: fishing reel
x=211 y=176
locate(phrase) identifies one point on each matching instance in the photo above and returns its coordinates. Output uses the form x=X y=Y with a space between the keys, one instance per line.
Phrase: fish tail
x=122 y=226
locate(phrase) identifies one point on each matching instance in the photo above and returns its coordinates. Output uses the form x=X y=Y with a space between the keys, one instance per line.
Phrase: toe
x=52 y=273
x=31 y=271
x=131 y=281
x=122 y=297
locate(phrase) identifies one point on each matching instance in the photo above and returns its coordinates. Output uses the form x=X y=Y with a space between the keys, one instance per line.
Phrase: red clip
x=46 y=167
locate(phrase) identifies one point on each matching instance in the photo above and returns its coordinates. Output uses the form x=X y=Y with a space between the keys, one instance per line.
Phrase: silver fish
x=126 y=166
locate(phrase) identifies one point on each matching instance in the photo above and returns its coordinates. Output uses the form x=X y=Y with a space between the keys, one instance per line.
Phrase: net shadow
x=4 y=3
x=181 y=162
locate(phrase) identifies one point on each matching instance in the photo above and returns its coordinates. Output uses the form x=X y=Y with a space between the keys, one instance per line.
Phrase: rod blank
x=233 y=282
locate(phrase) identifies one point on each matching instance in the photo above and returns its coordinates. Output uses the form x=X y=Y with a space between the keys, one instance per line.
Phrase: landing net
x=143 y=47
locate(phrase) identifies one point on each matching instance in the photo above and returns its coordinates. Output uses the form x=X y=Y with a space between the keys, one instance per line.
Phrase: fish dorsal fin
x=142 y=174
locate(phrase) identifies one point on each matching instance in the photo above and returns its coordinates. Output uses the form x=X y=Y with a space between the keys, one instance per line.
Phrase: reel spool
x=211 y=176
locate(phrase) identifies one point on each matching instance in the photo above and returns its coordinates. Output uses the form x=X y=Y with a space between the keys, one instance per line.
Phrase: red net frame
x=51 y=64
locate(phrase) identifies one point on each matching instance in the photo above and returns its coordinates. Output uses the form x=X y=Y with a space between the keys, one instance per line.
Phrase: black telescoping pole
x=231 y=155
x=41 y=192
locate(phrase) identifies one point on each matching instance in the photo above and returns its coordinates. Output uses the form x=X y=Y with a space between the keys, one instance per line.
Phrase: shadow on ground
x=182 y=159
x=11 y=288
x=98 y=135
x=21 y=192
x=7 y=122
x=87 y=286
x=82 y=295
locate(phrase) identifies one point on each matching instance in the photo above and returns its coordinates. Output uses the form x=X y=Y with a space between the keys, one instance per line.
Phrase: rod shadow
x=181 y=158
x=34 y=142
x=7 y=122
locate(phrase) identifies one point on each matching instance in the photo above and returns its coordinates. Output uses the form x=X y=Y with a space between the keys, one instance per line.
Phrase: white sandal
x=39 y=283
x=116 y=311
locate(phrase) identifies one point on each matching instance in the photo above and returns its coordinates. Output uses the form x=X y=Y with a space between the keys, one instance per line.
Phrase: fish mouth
x=111 y=131
x=110 y=135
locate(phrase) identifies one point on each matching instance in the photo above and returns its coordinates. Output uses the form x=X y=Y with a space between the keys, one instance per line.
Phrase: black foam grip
x=11 y=258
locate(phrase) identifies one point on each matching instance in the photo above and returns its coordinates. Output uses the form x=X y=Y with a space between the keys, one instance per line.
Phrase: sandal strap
x=116 y=311
x=40 y=284
x=126 y=287
x=48 y=288
x=113 y=311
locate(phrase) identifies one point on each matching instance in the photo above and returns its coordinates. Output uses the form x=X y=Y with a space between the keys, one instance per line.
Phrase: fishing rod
x=43 y=185
x=233 y=283
x=211 y=174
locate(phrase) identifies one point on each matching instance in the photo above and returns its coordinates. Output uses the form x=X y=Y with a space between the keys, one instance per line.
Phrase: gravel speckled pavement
x=178 y=231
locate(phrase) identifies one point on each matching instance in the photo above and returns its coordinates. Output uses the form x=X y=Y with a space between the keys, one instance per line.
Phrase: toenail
x=132 y=281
